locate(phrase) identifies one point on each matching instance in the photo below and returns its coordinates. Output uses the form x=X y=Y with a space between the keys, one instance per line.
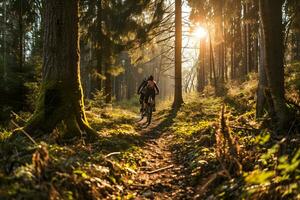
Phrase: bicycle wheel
x=149 y=111
x=150 y=114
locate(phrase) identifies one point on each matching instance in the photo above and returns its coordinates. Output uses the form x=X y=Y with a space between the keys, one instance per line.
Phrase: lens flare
x=200 y=32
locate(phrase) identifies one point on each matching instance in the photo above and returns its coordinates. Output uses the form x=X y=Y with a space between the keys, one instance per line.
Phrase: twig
x=17 y=116
x=210 y=180
x=243 y=128
x=111 y=154
x=138 y=185
x=25 y=133
x=131 y=170
x=160 y=169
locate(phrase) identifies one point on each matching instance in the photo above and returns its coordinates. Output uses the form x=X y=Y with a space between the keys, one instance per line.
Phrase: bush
x=98 y=100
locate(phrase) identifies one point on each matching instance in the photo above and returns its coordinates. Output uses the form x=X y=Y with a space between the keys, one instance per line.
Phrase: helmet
x=150 y=78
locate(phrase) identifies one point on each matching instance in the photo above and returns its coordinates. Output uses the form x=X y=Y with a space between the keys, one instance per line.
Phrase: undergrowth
x=231 y=155
x=45 y=168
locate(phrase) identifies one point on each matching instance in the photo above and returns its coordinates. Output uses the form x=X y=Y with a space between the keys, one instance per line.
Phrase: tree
x=178 y=100
x=117 y=26
x=271 y=17
x=61 y=98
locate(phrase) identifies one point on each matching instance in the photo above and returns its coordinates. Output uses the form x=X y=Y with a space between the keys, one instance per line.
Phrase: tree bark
x=201 y=67
x=99 y=45
x=61 y=97
x=232 y=59
x=271 y=17
x=178 y=100
x=4 y=42
x=21 y=37
x=262 y=84
x=118 y=88
x=212 y=59
x=108 y=83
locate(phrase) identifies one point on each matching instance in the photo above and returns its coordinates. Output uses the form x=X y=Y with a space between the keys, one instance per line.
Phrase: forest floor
x=161 y=175
x=210 y=148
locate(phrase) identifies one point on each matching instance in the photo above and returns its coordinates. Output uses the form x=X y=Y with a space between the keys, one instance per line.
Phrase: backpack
x=150 y=85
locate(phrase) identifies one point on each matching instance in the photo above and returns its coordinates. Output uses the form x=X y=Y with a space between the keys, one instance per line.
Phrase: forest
x=150 y=99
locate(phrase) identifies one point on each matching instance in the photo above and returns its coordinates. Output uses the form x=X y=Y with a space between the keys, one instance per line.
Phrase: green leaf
x=259 y=177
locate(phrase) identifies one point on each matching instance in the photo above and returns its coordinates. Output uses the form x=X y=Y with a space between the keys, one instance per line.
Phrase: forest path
x=161 y=176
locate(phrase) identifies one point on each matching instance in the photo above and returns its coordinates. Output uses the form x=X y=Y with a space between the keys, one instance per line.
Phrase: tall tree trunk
x=232 y=59
x=199 y=71
x=225 y=56
x=210 y=66
x=221 y=62
x=108 y=82
x=238 y=43
x=244 y=69
x=247 y=42
x=118 y=88
x=212 y=58
x=21 y=37
x=178 y=100
x=99 y=45
x=255 y=54
x=61 y=98
x=201 y=66
x=262 y=84
x=271 y=17
x=4 y=44
x=131 y=89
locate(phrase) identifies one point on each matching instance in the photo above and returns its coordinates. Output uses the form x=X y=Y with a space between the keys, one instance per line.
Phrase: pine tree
x=61 y=98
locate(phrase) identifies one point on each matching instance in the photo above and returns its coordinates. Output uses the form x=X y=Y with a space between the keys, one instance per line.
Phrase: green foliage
x=132 y=104
x=98 y=100
x=280 y=172
x=32 y=95
x=260 y=177
x=78 y=170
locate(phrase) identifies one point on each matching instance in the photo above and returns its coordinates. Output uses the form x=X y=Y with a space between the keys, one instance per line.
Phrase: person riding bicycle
x=147 y=89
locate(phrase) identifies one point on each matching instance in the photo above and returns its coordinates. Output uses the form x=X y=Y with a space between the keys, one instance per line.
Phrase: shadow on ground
x=122 y=142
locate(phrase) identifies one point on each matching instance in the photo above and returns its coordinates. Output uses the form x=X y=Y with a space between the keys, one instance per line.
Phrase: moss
x=59 y=103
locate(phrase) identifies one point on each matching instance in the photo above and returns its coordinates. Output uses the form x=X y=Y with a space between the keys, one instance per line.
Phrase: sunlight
x=200 y=32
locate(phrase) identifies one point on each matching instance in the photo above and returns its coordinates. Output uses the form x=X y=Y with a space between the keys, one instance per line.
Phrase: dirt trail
x=161 y=176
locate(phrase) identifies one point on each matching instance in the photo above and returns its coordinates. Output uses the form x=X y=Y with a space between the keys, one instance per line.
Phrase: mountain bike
x=147 y=111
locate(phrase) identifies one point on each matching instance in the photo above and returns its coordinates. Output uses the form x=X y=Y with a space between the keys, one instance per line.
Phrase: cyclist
x=141 y=91
x=148 y=88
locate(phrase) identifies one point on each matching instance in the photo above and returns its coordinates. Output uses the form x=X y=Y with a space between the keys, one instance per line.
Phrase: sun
x=200 y=32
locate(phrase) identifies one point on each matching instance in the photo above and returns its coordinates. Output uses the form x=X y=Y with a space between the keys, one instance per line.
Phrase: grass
x=267 y=165
x=78 y=170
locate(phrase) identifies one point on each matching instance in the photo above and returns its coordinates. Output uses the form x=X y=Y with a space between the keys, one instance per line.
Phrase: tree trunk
x=262 y=84
x=21 y=37
x=99 y=45
x=247 y=42
x=131 y=89
x=225 y=56
x=232 y=59
x=61 y=98
x=212 y=58
x=244 y=69
x=238 y=44
x=108 y=83
x=271 y=17
x=4 y=43
x=118 y=88
x=201 y=70
x=178 y=100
